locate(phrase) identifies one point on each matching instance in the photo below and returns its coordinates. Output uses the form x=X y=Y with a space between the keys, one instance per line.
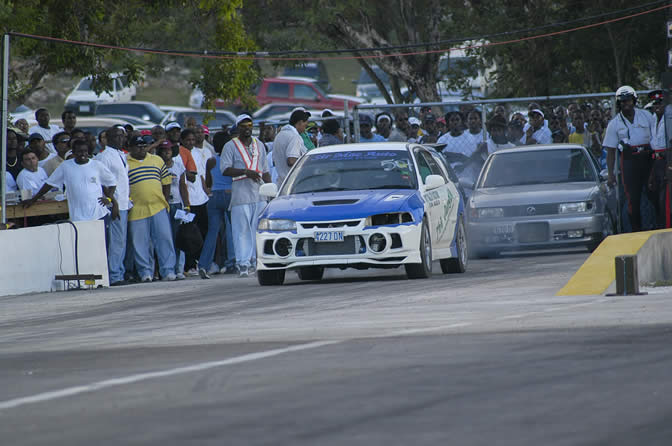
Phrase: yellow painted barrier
x=598 y=272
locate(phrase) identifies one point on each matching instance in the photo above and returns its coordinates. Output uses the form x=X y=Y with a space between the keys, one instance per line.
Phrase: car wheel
x=607 y=230
x=271 y=277
x=311 y=273
x=423 y=269
x=458 y=264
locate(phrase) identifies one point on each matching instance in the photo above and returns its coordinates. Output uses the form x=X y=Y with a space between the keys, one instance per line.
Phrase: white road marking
x=70 y=391
x=131 y=379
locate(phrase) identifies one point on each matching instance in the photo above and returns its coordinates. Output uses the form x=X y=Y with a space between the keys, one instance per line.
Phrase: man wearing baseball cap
x=289 y=145
x=537 y=133
x=148 y=222
x=244 y=159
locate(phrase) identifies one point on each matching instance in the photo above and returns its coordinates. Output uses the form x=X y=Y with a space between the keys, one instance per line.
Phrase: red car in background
x=301 y=91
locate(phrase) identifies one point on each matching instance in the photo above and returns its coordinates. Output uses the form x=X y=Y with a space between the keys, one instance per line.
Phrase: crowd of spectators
x=146 y=185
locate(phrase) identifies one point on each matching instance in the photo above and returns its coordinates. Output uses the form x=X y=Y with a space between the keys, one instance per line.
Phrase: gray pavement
x=363 y=357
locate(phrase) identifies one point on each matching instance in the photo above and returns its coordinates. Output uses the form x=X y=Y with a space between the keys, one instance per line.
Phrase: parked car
x=97 y=124
x=316 y=71
x=216 y=119
x=541 y=196
x=362 y=206
x=269 y=110
x=83 y=99
x=137 y=123
x=144 y=110
x=298 y=90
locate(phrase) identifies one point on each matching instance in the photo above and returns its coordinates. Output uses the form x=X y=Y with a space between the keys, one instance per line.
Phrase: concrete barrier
x=597 y=274
x=31 y=257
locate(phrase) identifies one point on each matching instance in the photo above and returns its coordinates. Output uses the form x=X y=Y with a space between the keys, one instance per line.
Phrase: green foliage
x=192 y=24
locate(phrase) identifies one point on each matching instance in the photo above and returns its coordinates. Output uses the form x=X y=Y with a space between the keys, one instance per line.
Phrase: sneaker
x=193 y=272
x=179 y=276
x=169 y=278
x=203 y=273
x=146 y=279
x=229 y=270
x=243 y=271
x=214 y=269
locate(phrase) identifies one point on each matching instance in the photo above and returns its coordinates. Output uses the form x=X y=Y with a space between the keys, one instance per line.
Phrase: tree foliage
x=171 y=24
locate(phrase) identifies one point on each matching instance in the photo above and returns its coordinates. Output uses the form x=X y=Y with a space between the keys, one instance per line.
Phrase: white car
x=376 y=205
x=83 y=98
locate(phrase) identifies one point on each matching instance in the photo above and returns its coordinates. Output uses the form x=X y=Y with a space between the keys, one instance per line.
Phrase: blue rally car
x=375 y=205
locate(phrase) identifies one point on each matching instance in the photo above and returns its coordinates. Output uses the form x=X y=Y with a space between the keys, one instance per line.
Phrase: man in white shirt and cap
x=288 y=145
x=244 y=159
x=44 y=128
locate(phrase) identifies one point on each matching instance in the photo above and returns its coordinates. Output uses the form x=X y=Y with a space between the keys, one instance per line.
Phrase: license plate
x=85 y=108
x=504 y=229
x=328 y=236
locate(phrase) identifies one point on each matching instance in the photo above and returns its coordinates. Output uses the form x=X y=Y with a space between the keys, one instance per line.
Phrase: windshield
x=537 y=167
x=354 y=170
x=215 y=120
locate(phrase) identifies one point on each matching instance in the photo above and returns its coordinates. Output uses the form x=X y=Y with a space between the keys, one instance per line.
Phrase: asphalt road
x=488 y=357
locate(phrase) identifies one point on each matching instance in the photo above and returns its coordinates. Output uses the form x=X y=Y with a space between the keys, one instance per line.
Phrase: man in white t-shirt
x=537 y=132
x=44 y=128
x=89 y=185
x=114 y=159
x=36 y=145
x=32 y=177
x=198 y=198
x=288 y=145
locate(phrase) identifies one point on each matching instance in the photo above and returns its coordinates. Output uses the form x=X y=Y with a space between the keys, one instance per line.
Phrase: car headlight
x=270 y=224
x=490 y=212
x=575 y=208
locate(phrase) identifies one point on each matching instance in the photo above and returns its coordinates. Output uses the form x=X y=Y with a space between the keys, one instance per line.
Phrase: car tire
x=600 y=236
x=459 y=263
x=271 y=277
x=311 y=272
x=423 y=269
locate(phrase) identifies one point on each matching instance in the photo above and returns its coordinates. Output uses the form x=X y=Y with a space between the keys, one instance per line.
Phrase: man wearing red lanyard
x=244 y=159
x=632 y=132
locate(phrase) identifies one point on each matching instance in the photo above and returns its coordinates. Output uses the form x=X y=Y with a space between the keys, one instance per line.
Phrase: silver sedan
x=543 y=196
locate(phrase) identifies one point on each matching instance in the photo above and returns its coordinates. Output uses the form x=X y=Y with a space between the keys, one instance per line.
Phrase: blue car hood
x=341 y=205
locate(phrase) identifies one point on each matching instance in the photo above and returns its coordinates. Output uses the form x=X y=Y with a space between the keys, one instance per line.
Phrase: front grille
x=351 y=244
x=334 y=224
x=529 y=210
x=532 y=232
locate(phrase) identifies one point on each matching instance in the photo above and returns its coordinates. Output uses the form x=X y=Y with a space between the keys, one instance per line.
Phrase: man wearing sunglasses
x=62 y=145
x=400 y=133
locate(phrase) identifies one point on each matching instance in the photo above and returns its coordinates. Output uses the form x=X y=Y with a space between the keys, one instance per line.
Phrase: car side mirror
x=269 y=190
x=434 y=181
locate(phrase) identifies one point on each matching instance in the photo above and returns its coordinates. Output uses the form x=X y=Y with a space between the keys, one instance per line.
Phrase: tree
x=142 y=23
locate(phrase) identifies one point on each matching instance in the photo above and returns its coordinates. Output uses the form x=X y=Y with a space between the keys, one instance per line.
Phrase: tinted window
x=423 y=168
x=357 y=170
x=304 y=92
x=537 y=167
x=216 y=120
x=278 y=90
x=118 y=85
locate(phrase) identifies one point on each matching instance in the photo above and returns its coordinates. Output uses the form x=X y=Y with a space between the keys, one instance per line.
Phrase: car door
x=452 y=204
x=435 y=199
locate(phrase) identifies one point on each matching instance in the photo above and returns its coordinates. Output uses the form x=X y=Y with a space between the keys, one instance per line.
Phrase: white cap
x=384 y=116
x=242 y=118
x=172 y=125
x=325 y=111
x=536 y=110
x=414 y=121
x=625 y=90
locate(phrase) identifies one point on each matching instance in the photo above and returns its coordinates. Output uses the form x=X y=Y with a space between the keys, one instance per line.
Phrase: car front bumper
x=555 y=231
x=402 y=244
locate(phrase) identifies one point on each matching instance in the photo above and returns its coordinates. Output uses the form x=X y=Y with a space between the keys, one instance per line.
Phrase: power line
x=269 y=55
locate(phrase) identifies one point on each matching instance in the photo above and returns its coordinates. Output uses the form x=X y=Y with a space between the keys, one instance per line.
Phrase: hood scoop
x=335 y=202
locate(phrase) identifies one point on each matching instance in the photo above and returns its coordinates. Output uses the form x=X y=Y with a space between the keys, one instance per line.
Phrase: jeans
x=218 y=206
x=244 y=218
x=153 y=231
x=116 y=245
x=174 y=224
